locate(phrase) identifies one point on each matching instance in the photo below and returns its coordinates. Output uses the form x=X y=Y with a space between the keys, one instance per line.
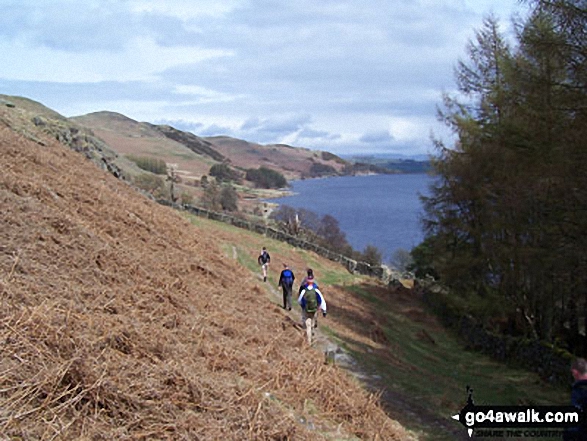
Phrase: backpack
x=287 y=277
x=264 y=257
x=311 y=298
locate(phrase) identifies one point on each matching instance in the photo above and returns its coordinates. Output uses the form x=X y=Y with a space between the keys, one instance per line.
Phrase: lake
x=379 y=210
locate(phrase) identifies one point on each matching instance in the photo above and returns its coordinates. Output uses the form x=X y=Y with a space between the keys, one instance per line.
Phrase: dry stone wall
x=380 y=272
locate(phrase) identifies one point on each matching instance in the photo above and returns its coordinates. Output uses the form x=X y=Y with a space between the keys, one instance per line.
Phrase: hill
x=393 y=164
x=293 y=162
x=128 y=137
x=134 y=150
x=122 y=320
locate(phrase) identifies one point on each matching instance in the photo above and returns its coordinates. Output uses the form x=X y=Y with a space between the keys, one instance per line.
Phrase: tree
x=264 y=177
x=333 y=237
x=211 y=197
x=401 y=259
x=229 y=199
x=157 y=166
x=224 y=173
x=504 y=219
x=289 y=217
x=371 y=255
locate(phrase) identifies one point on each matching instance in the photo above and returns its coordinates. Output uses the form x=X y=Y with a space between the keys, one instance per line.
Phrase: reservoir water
x=379 y=210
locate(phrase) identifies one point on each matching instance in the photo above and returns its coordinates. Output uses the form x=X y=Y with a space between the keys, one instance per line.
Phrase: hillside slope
x=121 y=320
x=32 y=118
x=293 y=162
x=195 y=155
x=129 y=137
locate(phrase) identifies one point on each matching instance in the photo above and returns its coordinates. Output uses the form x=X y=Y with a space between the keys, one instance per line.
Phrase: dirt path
x=399 y=405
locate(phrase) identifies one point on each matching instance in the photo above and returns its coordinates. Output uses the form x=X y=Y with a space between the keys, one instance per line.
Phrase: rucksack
x=287 y=278
x=264 y=257
x=311 y=298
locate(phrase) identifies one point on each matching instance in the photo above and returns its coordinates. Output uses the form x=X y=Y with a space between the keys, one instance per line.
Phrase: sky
x=346 y=76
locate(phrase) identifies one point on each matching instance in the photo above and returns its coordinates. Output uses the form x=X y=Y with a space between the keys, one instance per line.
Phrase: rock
x=6 y=103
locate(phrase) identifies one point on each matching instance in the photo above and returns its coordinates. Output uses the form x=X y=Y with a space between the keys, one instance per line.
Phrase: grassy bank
x=420 y=368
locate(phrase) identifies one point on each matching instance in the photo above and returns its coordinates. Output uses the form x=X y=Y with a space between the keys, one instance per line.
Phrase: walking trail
x=399 y=405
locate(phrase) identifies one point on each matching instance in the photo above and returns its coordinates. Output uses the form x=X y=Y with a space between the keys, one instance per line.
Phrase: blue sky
x=347 y=76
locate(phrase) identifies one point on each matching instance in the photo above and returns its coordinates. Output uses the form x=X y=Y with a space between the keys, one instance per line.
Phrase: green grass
x=437 y=373
x=432 y=375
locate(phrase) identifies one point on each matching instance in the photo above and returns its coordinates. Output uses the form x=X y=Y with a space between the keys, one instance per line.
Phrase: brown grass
x=120 y=320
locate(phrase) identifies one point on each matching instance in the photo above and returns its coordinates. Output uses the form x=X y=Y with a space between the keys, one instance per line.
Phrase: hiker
x=578 y=398
x=305 y=280
x=311 y=299
x=264 y=259
x=286 y=280
x=310 y=275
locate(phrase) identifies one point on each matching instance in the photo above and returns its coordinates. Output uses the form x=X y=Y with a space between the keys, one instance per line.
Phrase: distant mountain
x=360 y=156
x=393 y=163
x=293 y=162
x=110 y=138
x=132 y=138
x=194 y=155
x=191 y=141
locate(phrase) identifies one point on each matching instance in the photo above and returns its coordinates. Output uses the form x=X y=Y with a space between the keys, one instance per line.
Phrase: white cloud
x=185 y=9
x=141 y=60
x=378 y=137
x=206 y=95
x=320 y=74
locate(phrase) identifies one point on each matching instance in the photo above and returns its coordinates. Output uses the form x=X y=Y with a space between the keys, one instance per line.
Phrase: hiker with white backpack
x=311 y=300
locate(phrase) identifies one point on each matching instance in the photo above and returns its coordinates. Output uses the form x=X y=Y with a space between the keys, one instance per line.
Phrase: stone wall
x=381 y=272
x=550 y=362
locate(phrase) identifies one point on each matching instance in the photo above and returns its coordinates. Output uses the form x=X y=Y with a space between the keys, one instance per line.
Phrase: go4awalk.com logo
x=518 y=421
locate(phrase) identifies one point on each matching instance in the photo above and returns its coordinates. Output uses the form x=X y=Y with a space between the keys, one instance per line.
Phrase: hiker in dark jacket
x=578 y=399
x=286 y=281
x=264 y=259
x=311 y=300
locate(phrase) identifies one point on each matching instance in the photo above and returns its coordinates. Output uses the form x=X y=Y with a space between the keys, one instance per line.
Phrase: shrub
x=229 y=199
x=157 y=166
x=186 y=198
x=264 y=177
x=223 y=172
x=150 y=183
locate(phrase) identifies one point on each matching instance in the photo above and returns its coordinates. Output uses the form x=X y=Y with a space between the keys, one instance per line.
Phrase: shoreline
x=397 y=193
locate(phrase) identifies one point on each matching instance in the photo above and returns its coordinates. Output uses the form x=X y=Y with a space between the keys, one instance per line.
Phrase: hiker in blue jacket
x=286 y=281
x=311 y=300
